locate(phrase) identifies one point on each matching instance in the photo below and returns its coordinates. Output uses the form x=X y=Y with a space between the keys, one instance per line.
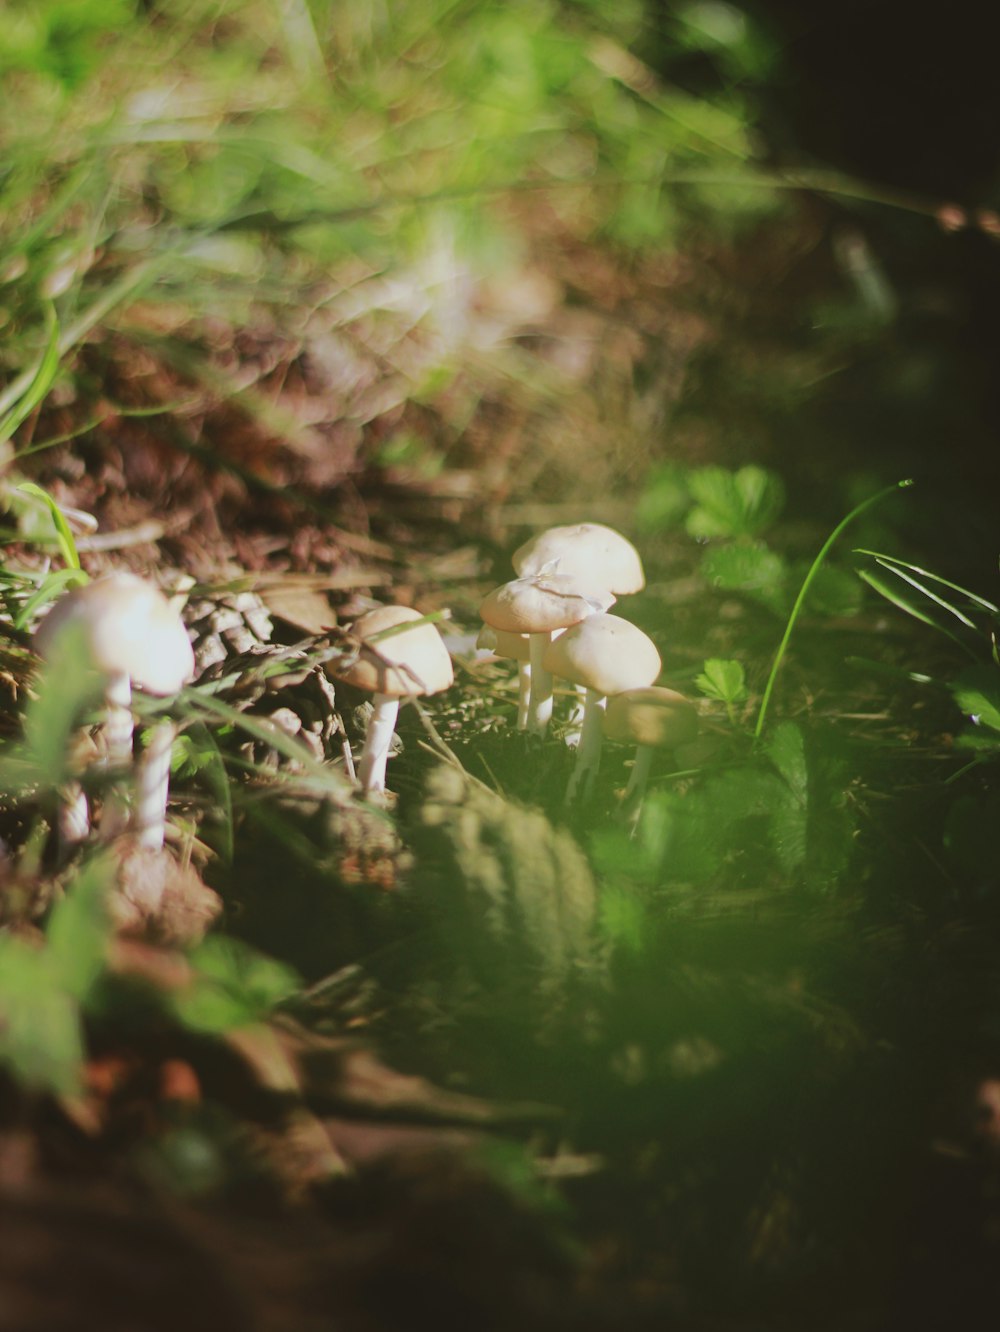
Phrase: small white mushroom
x=649 y=718
x=398 y=666
x=607 y=655
x=538 y=606
x=133 y=637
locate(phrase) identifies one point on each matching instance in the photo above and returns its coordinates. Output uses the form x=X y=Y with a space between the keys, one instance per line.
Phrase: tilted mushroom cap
x=605 y=653
x=539 y=605
x=413 y=661
x=503 y=644
x=651 y=716
x=129 y=628
x=599 y=555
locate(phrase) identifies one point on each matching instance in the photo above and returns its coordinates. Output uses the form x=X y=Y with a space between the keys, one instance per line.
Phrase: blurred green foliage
x=237 y=156
x=43 y=988
x=729 y=512
x=233 y=986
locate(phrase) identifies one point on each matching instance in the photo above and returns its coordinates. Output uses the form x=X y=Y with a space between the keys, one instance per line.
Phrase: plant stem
x=804 y=591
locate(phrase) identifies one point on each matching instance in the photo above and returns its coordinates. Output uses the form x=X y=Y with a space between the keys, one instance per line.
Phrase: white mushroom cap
x=597 y=554
x=413 y=661
x=651 y=716
x=539 y=605
x=605 y=653
x=129 y=627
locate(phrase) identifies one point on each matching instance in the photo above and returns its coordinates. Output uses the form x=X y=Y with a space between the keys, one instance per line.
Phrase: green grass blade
x=891 y=560
x=53 y=586
x=926 y=591
x=897 y=597
x=67 y=542
x=38 y=381
x=206 y=706
x=807 y=582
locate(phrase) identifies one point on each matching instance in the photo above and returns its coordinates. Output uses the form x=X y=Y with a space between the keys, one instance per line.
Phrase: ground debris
x=159 y=899
x=312 y=876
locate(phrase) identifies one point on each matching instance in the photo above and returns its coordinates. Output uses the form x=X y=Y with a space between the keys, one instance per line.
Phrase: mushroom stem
x=371 y=771
x=574 y=718
x=588 y=754
x=540 y=697
x=118 y=729
x=523 y=693
x=154 y=782
x=73 y=817
x=640 y=773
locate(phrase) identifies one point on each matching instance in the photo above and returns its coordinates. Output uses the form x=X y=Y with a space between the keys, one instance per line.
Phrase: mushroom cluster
x=540 y=606
x=555 y=616
x=554 y=619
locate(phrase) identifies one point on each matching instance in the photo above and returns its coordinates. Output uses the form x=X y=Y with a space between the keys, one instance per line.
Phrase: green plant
x=724 y=681
x=807 y=582
x=730 y=513
x=44 y=989
x=969 y=622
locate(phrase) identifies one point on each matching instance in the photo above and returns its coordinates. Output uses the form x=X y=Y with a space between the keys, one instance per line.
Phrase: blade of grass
x=926 y=591
x=807 y=582
x=52 y=587
x=67 y=542
x=207 y=706
x=889 y=561
x=37 y=382
x=896 y=597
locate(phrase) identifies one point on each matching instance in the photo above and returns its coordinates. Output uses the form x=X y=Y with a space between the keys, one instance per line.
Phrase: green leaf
x=733 y=504
x=724 y=680
x=664 y=499
x=79 y=928
x=234 y=986
x=751 y=568
x=977 y=692
x=67 y=685
x=40 y=1036
x=622 y=918
x=786 y=750
x=790 y=812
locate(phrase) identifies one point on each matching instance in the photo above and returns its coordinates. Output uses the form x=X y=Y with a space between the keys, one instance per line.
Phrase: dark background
x=905 y=100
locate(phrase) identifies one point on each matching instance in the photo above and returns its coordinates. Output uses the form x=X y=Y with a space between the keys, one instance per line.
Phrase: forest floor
x=483 y=1060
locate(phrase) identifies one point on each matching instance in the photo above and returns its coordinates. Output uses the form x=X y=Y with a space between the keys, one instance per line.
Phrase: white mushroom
x=133 y=637
x=536 y=606
x=649 y=718
x=607 y=655
x=398 y=666
x=589 y=551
